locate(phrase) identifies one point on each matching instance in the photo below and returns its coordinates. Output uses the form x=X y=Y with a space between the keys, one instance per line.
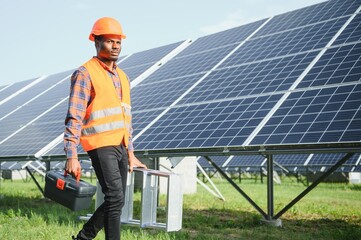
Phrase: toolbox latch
x=60 y=184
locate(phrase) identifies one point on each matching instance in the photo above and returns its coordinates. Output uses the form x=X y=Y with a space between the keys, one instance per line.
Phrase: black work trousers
x=111 y=168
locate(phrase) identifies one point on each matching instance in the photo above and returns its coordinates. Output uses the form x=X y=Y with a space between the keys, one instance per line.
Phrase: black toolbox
x=67 y=191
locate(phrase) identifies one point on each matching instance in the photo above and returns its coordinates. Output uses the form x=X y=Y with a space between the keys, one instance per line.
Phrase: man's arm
x=80 y=94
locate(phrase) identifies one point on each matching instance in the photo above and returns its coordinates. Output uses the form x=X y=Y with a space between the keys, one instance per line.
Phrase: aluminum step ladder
x=149 y=200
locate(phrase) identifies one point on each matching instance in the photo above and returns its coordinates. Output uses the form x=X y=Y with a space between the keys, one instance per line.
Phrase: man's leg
x=111 y=167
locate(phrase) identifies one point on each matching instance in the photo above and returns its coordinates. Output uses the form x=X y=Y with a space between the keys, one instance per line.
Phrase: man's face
x=109 y=47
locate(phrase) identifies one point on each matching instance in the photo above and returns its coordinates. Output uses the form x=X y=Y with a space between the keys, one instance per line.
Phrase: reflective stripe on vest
x=102 y=128
x=104 y=113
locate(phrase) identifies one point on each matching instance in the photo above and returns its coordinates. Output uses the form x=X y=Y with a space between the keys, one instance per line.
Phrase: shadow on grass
x=48 y=210
x=197 y=224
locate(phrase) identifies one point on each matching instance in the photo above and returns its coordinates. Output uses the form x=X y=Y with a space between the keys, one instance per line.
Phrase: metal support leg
x=34 y=179
x=270 y=202
x=314 y=184
x=236 y=187
x=270 y=195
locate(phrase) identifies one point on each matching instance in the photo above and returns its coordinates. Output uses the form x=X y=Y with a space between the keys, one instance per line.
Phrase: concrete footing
x=272 y=222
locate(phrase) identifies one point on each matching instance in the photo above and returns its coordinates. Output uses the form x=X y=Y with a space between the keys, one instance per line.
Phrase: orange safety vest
x=107 y=120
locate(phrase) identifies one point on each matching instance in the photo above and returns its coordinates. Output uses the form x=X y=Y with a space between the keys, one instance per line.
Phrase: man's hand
x=134 y=162
x=73 y=167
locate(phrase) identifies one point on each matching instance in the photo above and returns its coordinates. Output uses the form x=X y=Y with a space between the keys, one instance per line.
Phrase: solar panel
x=137 y=63
x=331 y=159
x=58 y=87
x=16 y=102
x=250 y=79
x=224 y=123
x=3 y=87
x=338 y=65
x=37 y=134
x=357 y=168
x=10 y=89
x=352 y=33
x=222 y=39
x=309 y=15
x=161 y=94
x=11 y=165
x=290 y=79
x=265 y=66
x=297 y=40
x=202 y=54
x=247 y=161
x=291 y=159
x=315 y=116
x=219 y=160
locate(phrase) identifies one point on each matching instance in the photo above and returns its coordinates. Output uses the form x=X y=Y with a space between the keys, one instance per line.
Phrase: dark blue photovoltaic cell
x=142 y=119
x=134 y=72
x=162 y=94
x=203 y=54
x=309 y=15
x=148 y=56
x=204 y=163
x=38 y=106
x=357 y=168
x=288 y=42
x=137 y=63
x=247 y=161
x=291 y=159
x=188 y=65
x=219 y=160
x=13 y=88
x=315 y=116
x=249 y=79
x=226 y=123
x=331 y=159
x=232 y=36
x=37 y=135
x=352 y=33
x=337 y=65
x=11 y=165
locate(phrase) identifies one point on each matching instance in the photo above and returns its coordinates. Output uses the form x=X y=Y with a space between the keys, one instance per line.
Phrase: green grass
x=330 y=211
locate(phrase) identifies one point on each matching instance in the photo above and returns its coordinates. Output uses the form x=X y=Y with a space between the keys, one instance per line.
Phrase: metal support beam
x=236 y=187
x=34 y=179
x=314 y=184
x=270 y=202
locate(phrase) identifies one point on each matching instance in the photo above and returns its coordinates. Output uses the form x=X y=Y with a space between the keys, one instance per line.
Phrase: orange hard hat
x=106 y=25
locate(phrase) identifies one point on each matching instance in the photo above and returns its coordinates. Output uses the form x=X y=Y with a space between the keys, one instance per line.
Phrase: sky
x=45 y=37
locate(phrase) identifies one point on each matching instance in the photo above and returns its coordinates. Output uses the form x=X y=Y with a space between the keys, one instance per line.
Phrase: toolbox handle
x=77 y=176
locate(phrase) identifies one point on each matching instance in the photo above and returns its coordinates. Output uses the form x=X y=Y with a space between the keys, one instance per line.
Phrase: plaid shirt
x=81 y=95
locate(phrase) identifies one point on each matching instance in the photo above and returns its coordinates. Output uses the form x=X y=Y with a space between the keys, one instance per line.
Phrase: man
x=99 y=117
